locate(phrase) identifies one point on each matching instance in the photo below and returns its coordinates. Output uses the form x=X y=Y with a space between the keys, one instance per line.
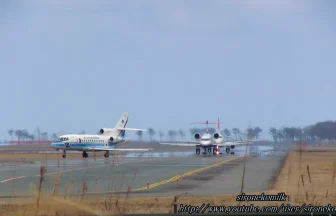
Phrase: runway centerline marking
x=71 y=170
x=172 y=179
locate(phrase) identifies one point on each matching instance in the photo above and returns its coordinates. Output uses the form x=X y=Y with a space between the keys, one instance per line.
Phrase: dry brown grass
x=307 y=177
x=317 y=180
x=145 y=205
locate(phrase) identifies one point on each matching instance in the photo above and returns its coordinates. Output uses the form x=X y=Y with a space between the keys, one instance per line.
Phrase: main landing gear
x=198 y=150
x=106 y=154
x=85 y=154
x=207 y=150
x=228 y=150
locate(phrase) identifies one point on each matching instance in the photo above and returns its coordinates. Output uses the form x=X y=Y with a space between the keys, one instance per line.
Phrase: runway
x=147 y=174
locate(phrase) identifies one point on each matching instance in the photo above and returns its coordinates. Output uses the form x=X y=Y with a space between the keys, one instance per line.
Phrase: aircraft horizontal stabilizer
x=131 y=129
x=118 y=149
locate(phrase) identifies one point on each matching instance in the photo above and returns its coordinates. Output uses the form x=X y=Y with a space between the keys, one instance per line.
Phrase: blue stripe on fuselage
x=82 y=145
x=122 y=135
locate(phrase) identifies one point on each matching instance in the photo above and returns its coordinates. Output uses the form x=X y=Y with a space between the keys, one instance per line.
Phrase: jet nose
x=53 y=145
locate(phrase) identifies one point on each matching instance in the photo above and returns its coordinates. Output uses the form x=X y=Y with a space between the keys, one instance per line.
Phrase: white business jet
x=208 y=141
x=107 y=141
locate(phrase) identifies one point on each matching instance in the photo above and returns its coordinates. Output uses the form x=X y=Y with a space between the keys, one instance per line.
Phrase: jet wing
x=181 y=143
x=235 y=143
x=119 y=149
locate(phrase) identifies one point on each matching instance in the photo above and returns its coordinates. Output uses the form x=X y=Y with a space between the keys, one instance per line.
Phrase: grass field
x=307 y=177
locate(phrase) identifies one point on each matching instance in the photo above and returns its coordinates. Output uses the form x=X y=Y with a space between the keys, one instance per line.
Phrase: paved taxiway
x=135 y=170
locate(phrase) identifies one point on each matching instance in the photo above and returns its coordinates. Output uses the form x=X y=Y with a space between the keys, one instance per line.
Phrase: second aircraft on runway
x=210 y=142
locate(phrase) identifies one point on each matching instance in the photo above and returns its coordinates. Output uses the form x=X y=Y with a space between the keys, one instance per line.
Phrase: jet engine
x=218 y=138
x=111 y=139
x=105 y=130
x=232 y=146
x=197 y=136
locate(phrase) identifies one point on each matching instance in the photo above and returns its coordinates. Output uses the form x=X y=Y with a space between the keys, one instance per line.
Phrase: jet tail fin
x=131 y=129
x=122 y=121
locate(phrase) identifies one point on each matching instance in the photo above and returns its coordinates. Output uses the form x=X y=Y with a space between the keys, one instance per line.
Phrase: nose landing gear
x=85 y=154
x=198 y=151
x=215 y=151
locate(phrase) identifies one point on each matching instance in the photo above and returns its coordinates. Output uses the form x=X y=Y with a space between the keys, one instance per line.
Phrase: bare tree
x=18 y=134
x=236 y=132
x=226 y=133
x=171 y=134
x=11 y=133
x=38 y=133
x=181 y=133
x=161 y=135
x=54 y=136
x=139 y=134
x=151 y=133
x=256 y=132
x=273 y=133
x=31 y=136
x=24 y=134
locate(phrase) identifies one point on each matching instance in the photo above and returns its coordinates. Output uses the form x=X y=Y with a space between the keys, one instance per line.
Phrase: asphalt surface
x=97 y=176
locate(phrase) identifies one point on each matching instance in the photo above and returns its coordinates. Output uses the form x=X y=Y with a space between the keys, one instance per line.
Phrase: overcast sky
x=68 y=65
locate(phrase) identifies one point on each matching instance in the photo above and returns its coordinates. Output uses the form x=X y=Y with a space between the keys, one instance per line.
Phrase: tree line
x=24 y=135
x=325 y=130
x=235 y=134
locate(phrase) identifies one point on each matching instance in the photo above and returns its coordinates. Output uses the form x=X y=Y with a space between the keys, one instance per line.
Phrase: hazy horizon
x=73 y=65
